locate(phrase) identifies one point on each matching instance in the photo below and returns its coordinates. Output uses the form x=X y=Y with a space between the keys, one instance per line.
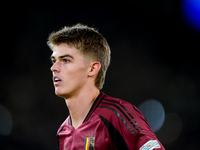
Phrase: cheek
x=75 y=74
x=80 y=74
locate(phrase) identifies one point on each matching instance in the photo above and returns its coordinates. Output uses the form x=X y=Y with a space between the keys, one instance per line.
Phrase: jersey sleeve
x=127 y=126
x=142 y=137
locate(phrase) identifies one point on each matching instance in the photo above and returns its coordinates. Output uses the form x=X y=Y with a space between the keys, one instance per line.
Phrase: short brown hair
x=89 y=42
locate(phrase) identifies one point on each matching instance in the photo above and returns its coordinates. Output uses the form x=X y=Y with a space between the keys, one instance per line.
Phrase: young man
x=80 y=58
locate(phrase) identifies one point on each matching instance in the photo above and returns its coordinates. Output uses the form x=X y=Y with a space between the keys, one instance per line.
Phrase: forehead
x=63 y=49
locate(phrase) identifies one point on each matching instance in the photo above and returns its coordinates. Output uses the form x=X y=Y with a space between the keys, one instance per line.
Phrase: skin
x=76 y=84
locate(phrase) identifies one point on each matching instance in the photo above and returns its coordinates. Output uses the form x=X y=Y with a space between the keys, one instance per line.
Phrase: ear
x=94 y=68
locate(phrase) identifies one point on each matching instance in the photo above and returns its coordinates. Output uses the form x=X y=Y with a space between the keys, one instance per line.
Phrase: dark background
x=154 y=55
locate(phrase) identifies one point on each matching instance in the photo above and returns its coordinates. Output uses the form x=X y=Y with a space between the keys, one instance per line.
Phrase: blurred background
x=155 y=66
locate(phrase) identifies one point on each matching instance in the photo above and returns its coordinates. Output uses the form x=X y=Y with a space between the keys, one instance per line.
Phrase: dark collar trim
x=70 y=121
x=94 y=105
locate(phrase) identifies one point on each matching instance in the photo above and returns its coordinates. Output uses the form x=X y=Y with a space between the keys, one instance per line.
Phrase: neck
x=80 y=105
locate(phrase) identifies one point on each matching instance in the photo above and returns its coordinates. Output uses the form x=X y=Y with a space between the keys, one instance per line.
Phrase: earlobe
x=94 y=69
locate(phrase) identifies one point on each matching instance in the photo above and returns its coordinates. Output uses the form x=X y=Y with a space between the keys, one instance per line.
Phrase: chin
x=61 y=94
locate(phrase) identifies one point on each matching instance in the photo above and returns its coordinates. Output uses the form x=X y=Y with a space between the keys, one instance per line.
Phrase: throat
x=76 y=124
x=79 y=113
x=79 y=108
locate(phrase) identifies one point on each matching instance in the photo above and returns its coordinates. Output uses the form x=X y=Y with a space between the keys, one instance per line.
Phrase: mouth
x=56 y=80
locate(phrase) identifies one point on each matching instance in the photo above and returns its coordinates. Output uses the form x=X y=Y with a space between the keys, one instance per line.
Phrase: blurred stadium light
x=154 y=112
x=191 y=13
x=5 y=121
x=171 y=128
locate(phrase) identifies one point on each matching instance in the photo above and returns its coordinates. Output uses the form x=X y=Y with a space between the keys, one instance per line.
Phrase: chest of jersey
x=91 y=135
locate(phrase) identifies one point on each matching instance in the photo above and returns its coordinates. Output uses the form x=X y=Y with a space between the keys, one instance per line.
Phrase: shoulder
x=120 y=113
x=123 y=119
x=119 y=106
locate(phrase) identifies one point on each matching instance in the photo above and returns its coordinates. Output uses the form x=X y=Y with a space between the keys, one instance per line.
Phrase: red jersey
x=111 y=124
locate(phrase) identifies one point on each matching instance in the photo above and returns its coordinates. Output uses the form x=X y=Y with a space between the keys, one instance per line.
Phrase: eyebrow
x=62 y=56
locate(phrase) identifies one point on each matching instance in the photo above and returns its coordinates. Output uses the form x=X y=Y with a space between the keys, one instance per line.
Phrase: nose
x=55 y=67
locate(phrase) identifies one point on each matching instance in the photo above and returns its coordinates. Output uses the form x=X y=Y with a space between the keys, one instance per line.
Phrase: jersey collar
x=95 y=105
x=92 y=109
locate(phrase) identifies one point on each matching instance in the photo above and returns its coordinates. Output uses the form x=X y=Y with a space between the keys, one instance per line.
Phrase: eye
x=53 y=61
x=66 y=60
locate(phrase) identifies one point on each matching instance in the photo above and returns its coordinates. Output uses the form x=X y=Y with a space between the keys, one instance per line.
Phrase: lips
x=56 y=80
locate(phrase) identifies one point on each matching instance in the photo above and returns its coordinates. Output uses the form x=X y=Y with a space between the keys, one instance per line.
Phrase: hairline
x=87 y=58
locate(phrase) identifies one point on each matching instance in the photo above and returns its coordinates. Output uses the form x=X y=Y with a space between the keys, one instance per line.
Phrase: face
x=70 y=70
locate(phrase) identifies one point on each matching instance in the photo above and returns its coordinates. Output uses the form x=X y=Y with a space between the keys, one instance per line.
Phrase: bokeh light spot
x=5 y=121
x=171 y=128
x=191 y=13
x=154 y=112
